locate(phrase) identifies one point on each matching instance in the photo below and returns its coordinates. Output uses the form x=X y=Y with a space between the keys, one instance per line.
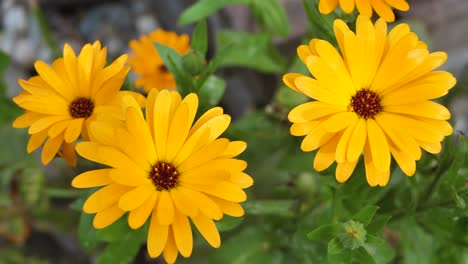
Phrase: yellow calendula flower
x=382 y=7
x=374 y=98
x=148 y=65
x=167 y=169
x=63 y=99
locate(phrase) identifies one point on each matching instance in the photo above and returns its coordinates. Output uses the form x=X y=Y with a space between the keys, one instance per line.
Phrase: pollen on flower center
x=81 y=108
x=366 y=103
x=164 y=176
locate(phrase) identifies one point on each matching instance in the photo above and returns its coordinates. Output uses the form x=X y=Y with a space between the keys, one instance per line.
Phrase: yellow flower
x=382 y=7
x=148 y=65
x=65 y=98
x=167 y=169
x=373 y=97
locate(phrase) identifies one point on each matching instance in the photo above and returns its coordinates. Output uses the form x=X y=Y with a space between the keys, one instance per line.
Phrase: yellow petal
x=207 y=116
x=429 y=86
x=170 y=251
x=374 y=176
x=406 y=163
x=54 y=80
x=383 y=10
x=50 y=149
x=93 y=178
x=107 y=216
x=347 y=5
x=165 y=209
x=233 y=149
x=431 y=147
x=181 y=124
x=227 y=207
x=339 y=121
x=208 y=132
x=205 y=204
x=378 y=146
x=183 y=235
x=204 y=154
x=289 y=78
x=183 y=202
x=312 y=110
x=59 y=127
x=27 y=119
x=344 y=170
x=364 y=7
x=342 y=147
x=316 y=138
x=208 y=230
x=36 y=141
x=68 y=153
x=136 y=197
x=138 y=216
x=137 y=126
x=45 y=122
x=130 y=177
x=399 y=4
x=73 y=130
x=161 y=122
x=398 y=136
x=224 y=190
x=327 y=6
x=242 y=180
x=157 y=236
x=313 y=89
x=425 y=109
x=357 y=140
x=104 y=198
x=326 y=154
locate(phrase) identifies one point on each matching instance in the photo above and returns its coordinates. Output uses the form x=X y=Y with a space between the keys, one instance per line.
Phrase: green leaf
x=336 y=253
x=418 y=246
x=379 y=249
x=12 y=145
x=320 y=26
x=210 y=93
x=204 y=8
x=4 y=62
x=254 y=51
x=242 y=247
x=173 y=62
x=366 y=214
x=269 y=207
x=228 y=223
x=378 y=223
x=458 y=199
x=123 y=250
x=271 y=14
x=115 y=231
x=325 y=232
x=200 y=38
x=87 y=233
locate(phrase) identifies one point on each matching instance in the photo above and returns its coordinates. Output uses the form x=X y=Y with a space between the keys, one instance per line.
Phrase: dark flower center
x=163 y=68
x=81 y=108
x=164 y=176
x=366 y=103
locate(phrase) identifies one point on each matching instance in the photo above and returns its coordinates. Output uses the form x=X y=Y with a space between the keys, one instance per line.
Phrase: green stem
x=44 y=28
x=336 y=205
x=63 y=193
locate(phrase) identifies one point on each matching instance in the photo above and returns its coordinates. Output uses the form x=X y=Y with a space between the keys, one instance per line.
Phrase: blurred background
x=38 y=225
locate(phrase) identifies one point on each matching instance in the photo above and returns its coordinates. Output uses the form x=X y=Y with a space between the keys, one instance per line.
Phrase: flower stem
x=44 y=28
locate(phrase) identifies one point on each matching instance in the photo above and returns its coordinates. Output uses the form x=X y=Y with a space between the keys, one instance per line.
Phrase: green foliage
x=200 y=38
x=293 y=214
x=270 y=13
x=250 y=50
